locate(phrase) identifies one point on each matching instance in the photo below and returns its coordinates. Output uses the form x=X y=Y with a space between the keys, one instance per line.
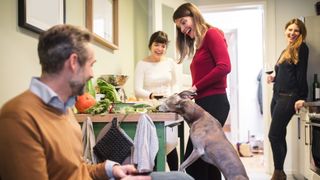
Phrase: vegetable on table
x=101 y=107
x=84 y=102
x=108 y=90
x=90 y=89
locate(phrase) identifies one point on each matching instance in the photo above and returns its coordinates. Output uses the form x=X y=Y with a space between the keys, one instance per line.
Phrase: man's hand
x=124 y=173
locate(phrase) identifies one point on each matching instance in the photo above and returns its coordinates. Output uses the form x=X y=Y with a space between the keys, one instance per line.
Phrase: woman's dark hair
x=58 y=43
x=158 y=37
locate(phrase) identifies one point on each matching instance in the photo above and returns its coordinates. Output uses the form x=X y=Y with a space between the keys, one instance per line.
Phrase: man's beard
x=77 y=88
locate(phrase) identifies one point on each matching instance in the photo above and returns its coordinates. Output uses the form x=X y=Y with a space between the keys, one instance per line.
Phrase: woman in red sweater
x=209 y=68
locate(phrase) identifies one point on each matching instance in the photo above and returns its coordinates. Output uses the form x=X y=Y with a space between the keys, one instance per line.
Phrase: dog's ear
x=187 y=94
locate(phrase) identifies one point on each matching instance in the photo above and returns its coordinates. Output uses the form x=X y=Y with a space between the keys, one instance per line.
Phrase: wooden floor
x=254 y=163
x=255 y=167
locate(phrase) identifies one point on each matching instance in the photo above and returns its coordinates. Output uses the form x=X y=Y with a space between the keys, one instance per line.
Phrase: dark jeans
x=218 y=106
x=282 y=110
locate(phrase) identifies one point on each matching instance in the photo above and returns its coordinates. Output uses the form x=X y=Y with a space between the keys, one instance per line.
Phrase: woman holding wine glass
x=156 y=77
x=290 y=89
x=268 y=69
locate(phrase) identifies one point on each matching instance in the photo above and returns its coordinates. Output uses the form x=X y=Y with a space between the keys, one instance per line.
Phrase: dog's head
x=174 y=102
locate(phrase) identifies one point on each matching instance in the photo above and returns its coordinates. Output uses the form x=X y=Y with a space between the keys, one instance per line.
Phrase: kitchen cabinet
x=313 y=41
x=302 y=157
x=129 y=126
x=313 y=170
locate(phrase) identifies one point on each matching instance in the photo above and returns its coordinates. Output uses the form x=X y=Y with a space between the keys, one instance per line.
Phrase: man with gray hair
x=39 y=135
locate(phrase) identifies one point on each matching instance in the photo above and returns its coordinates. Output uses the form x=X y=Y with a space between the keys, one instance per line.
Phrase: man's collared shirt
x=48 y=96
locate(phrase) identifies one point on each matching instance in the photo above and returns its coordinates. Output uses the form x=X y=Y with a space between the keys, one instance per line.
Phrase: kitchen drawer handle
x=314 y=124
x=299 y=125
x=305 y=135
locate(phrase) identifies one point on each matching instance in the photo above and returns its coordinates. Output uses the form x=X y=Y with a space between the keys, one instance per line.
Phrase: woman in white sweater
x=156 y=75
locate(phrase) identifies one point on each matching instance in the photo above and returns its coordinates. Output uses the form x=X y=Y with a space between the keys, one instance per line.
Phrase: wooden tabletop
x=134 y=117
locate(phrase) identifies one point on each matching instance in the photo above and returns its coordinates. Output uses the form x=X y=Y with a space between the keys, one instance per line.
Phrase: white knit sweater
x=160 y=78
x=156 y=77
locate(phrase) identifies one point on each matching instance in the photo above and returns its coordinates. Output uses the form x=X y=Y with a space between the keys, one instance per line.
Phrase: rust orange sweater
x=39 y=142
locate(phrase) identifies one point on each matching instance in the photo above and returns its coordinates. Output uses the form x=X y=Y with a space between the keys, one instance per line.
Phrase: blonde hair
x=291 y=53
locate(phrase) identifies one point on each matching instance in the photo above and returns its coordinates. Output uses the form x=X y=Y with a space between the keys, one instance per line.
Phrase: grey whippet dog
x=207 y=136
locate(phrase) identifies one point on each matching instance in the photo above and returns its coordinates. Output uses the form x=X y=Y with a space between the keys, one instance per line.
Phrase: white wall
x=246 y=62
x=18 y=48
x=18 y=53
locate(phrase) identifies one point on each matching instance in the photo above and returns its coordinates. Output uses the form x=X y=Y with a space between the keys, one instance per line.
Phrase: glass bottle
x=316 y=88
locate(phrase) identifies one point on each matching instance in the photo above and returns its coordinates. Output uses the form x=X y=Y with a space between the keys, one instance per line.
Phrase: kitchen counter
x=304 y=127
x=129 y=125
x=313 y=106
x=312 y=103
x=134 y=117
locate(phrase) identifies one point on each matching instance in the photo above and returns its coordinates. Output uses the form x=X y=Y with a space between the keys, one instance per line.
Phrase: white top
x=156 y=77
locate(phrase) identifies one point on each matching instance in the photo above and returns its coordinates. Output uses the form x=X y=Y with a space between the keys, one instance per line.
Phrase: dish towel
x=88 y=141
x=146 y=144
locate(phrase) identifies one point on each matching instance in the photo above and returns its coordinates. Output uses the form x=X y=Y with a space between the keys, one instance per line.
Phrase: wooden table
x=129 y=125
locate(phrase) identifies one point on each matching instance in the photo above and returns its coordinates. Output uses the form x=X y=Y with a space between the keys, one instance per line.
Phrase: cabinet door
x=301 y=147
x=303 y=144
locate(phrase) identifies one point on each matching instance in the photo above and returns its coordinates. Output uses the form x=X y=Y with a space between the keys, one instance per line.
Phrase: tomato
x=84 y=102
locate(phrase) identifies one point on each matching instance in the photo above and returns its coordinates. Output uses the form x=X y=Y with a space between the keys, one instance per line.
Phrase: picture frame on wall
x=102 y=21
x=40 y=15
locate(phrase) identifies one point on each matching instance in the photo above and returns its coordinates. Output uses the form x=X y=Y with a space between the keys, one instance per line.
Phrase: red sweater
x=211 y=64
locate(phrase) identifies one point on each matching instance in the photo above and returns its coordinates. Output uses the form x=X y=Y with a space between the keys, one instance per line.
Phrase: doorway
x=243 y=28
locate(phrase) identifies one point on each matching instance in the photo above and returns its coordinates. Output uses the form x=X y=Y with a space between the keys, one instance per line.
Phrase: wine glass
x=159 y=93
x=268 y=68
x=158 y=96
